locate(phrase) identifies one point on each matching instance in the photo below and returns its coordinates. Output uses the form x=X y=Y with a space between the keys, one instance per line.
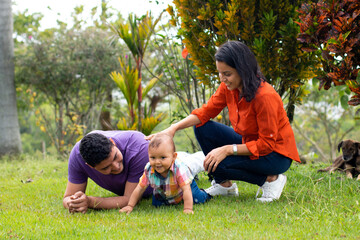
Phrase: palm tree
x=9 y=126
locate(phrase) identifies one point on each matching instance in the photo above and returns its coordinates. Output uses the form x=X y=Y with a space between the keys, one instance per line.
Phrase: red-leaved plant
x=331 y=29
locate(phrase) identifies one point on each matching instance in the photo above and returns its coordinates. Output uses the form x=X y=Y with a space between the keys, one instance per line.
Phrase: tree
x=266 y=26
x=9 y=127
x=180 y=72
x=331 y=30
x=70 y=68
x=180 y=87
x=25 y=26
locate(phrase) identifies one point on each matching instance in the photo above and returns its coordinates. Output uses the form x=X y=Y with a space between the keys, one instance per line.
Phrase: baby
x=170 y=178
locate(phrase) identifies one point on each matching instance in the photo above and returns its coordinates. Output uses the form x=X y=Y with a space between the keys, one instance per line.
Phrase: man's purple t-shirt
x=134 y=149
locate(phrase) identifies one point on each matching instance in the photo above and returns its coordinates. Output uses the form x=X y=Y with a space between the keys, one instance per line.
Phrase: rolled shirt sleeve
x=212 y=108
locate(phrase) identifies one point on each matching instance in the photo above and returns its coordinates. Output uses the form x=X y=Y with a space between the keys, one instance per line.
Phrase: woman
x=261 y=145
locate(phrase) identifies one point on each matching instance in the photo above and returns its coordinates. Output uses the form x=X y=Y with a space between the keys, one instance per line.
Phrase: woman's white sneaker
x=272 y=190
x=217 y=189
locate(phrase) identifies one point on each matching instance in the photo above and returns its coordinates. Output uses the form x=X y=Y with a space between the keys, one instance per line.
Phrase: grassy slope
x=314 y=205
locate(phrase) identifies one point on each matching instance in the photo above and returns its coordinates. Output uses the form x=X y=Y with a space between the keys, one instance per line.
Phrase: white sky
x=61 y=9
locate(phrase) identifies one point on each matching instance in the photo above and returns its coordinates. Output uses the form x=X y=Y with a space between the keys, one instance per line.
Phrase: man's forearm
x=107 y=203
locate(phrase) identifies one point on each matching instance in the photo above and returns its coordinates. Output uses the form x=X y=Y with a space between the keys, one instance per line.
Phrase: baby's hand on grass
x=188 y=211
x=127 y=209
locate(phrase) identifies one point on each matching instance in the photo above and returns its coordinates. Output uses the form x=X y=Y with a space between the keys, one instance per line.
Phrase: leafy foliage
x=136 y=34
x=149 y=123
x=70 y=68
x=179 y=72
x=266 y=26
x=26 y=25
x=331 y=30
x=129 y=82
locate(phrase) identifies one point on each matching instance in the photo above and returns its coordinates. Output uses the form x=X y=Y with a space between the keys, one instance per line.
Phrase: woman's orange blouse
x=262 y=122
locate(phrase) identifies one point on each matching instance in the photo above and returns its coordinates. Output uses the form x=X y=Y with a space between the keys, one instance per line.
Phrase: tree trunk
x=60 y=130
x=290 y=108
x=9 y=126
x=105 y=117
x=139 y=91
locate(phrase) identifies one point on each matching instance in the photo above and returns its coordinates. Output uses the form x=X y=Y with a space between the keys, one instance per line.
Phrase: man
x=114 y=160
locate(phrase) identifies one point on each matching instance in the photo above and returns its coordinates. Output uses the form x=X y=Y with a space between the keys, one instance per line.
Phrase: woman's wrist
x=173 y=129
x=229 y=150
x=235 y=151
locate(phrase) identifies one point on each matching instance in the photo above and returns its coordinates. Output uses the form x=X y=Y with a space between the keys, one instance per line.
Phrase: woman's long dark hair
x=237 y=55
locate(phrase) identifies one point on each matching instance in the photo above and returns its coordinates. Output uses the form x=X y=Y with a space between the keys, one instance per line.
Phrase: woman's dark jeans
x=212 y=135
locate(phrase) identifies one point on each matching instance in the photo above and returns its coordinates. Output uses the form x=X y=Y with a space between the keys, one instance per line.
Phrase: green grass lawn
x=313 y=206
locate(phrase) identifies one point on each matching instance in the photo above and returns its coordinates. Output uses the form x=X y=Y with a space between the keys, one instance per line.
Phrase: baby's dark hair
x=94 y=148
x=161 y=138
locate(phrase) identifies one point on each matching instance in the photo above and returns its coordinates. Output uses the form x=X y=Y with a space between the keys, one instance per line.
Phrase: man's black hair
x=94 y=148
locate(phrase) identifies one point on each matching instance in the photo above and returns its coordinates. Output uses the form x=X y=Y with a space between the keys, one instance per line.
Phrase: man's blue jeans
x=213 y=135
x=199 y=196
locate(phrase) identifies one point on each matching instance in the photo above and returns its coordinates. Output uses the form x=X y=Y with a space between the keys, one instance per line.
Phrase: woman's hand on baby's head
x=168 y=131
x=149 y=137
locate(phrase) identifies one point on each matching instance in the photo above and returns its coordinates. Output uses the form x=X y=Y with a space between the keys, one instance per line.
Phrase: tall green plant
x=129 y=82
x=136 y=33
